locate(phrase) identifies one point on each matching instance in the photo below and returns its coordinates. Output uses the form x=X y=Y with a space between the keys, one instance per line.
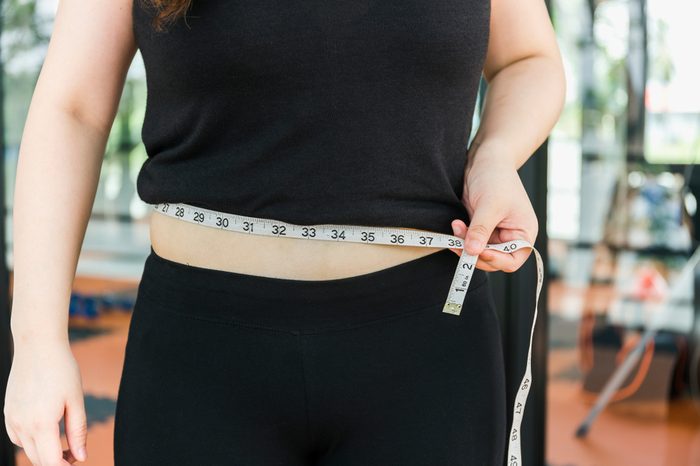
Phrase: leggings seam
x=341 y=327
x=232 y=323
x=238 y=323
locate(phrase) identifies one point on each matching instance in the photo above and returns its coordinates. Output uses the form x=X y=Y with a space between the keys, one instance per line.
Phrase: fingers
x=459 y=229
x=14 y=438
x=47 y=441
x=42 y=445
x=481 y=227
x=33 y=412
x=507 y=262
x=68 y=456
x=485 y=265
x=490 y=260
x=28 y=446
x=504 y=261
x=76 y=427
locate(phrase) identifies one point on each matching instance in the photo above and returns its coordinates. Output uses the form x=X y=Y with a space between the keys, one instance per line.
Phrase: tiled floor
x=654 y=432
x=627 y=434
x=640 y=434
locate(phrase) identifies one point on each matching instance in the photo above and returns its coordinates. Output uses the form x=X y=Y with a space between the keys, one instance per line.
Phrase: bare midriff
x=271 y=256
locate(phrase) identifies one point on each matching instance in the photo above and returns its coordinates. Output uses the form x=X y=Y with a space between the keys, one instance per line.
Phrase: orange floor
x=640 y=435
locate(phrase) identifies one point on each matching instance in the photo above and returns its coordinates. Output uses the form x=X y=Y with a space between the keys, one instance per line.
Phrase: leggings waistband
x=303 y=304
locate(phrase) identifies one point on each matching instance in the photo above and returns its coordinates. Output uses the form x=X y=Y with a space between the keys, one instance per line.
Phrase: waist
x=278 y=257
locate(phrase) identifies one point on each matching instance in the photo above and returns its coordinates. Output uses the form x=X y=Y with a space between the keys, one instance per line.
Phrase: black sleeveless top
x=316 y=111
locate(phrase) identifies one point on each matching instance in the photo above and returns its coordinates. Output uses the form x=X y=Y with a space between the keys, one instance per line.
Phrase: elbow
x=548 y=69
x=544 y=69
x=559 y=82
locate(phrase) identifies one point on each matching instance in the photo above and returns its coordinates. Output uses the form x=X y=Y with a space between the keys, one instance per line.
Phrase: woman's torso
x=335 y=112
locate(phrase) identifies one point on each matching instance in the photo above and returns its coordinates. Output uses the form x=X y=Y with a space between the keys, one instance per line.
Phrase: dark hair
x=167 y=11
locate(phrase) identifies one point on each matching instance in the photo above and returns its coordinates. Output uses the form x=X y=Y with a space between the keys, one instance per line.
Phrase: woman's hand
x=44 y=384
x=500 y=211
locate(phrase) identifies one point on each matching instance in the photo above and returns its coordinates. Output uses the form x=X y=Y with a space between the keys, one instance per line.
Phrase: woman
x=259 y=350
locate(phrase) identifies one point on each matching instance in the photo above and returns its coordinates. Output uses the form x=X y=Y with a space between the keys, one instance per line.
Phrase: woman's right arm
x=65 y=134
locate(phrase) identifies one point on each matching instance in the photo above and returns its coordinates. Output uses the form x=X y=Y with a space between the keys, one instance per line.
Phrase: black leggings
x=223 y=368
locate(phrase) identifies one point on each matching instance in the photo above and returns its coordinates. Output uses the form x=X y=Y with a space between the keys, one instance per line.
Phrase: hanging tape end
x=452 y=308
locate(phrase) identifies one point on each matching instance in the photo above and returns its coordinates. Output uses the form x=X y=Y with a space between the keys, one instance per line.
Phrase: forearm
x=57 y=174
x=522 y=104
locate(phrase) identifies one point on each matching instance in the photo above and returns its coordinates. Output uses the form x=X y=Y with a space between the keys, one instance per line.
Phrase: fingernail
x=82 y=452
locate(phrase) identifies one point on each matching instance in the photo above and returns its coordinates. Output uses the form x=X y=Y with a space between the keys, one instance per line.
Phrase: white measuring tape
x=388 y=236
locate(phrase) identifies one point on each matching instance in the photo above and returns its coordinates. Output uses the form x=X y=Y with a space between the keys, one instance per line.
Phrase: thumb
x=76 y=428
x=481 y=226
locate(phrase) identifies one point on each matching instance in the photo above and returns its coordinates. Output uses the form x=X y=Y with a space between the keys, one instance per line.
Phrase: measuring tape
x=388 y=236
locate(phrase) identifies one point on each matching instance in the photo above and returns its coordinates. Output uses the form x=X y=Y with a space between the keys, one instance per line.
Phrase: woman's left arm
x=525 y=96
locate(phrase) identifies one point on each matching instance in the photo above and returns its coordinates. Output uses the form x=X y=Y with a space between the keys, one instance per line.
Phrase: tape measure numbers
x=388 y=236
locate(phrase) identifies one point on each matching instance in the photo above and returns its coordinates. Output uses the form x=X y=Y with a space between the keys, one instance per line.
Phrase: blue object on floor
x=92 y=305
